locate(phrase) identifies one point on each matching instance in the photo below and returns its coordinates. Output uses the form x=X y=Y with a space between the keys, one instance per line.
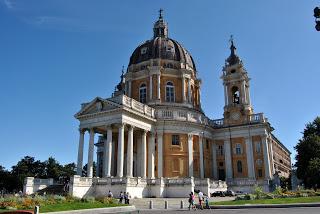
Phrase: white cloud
x=10 y=4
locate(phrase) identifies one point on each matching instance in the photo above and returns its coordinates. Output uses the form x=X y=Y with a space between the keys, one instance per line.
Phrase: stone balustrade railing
x=253 y=118
x=181 y=115
x=133 y=104
x=245 y=182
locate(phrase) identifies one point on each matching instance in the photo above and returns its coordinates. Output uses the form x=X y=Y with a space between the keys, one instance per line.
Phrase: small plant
x=278 y=191
x=258 y=192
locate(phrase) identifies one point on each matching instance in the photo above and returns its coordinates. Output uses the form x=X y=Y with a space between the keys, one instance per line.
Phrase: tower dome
x=161 y=47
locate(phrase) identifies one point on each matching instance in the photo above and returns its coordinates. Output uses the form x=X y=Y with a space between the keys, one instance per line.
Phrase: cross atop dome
x=160 y=13
x=160 y=28
x=233 y=58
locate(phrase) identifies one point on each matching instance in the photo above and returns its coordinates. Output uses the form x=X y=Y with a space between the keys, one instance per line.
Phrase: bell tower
x=236 y=89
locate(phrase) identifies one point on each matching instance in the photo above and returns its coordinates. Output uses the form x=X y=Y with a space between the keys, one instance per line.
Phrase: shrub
x=258 y=192
x=249 y=197
x=278 y=191
x=89 y=199
x=59 y=198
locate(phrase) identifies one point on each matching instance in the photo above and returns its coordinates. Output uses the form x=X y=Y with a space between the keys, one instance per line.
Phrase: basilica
x=154 y=140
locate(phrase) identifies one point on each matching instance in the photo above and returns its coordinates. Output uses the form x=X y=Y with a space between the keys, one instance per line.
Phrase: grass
x=270 y=201
x=72 y=206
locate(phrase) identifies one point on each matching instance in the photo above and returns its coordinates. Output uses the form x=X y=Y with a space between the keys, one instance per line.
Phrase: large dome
x=161 y=47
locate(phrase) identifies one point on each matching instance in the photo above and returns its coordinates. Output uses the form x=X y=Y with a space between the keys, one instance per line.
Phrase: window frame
x=238 y=149
x=239 y=166
x=143 y=87
x=170 y=92
x=175 y=140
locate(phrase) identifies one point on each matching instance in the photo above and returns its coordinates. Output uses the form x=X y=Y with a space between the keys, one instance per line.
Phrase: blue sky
x=54 y=55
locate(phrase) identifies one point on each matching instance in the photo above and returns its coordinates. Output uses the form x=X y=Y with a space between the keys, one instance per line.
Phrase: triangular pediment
x=97 y=105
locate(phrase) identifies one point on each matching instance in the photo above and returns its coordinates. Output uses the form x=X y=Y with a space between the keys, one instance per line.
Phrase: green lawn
x=73 y=206
x=270 y=201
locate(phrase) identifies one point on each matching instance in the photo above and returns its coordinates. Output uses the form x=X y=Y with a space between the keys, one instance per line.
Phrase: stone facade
x=155 y=140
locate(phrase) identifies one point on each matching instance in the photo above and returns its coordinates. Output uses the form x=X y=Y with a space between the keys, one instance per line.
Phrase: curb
x=97 y=210
x=248 y=206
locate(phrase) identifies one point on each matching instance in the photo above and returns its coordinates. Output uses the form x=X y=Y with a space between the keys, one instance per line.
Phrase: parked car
x=218 y=194
x=240 y=193
x=229 y=193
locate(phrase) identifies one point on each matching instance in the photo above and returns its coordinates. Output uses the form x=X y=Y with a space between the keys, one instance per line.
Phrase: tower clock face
x=235 y=116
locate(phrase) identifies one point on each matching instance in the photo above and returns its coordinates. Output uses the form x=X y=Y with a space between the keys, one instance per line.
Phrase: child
x=207 y=202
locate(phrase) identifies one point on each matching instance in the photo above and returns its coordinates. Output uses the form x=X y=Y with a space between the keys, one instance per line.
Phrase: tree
x=53 y=168
x=313 y=171
x=308 y=154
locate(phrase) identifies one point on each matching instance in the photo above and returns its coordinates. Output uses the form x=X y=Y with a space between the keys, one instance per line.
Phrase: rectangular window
x=260 y=173
x=170 y=94
x=175 y=140
x=207 y=144
x=258 y=147
x=221 y=164
x=220 y=150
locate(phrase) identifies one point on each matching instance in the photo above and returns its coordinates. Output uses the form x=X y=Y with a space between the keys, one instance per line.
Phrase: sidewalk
x=124 y=209
x=248 y=206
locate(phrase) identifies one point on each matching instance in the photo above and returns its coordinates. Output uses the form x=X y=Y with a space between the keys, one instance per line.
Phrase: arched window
x=143 y=93
x=235 y=95
x=238 y=149
x=239 y=166
x=169 y=92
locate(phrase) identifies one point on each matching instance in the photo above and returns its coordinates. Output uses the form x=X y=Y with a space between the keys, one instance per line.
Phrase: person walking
x=126 y=197
x=110 y=195
x=190 y=201
x=200 y=196
x=207 y=202
x=121 y=197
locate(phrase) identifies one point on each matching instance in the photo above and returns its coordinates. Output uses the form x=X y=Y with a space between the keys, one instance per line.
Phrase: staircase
x=56 y=189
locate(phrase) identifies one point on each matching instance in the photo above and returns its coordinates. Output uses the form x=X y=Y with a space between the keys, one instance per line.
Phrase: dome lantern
x=160 y=28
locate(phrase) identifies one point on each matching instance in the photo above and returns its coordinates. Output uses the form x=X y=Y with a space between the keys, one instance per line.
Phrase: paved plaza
x=174 y=203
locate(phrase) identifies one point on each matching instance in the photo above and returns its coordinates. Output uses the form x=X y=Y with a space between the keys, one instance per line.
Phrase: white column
x=227 y=156
x=151 y=154
x=250 y=160
x=158 y=94
x=108 y=153
x=184 y=89
x=144 y=154
x=244 y=99
x=80 y=152
x=190 y=154
x=266 y=157
x=120 y=151
x=225 y=94
x=160 y=155
x=90 y=154
x=214 y=162
x=271 y=155
x=150 y=85
x=248 y=97
x=189 y=91
x=139 y=154
x=130 y=153
x=201 y=156
x=129 y=88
